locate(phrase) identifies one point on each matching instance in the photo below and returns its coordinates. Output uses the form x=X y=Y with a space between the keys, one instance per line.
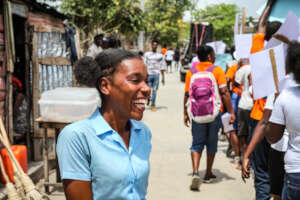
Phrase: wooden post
x=274 y=69
x=9 y=49
x=244 y=21
x=35 y=80
x=28 y=32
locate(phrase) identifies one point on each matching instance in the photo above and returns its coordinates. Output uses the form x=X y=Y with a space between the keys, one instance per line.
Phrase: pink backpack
x=204 y=101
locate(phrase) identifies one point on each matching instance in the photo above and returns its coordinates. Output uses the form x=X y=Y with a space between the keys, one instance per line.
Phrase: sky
x=251 y=6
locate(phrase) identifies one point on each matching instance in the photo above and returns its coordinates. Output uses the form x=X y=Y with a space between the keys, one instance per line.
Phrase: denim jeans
x=235 y=98
x=153 y=82
x=206 y=135
x=291 y=189
x=259 y=163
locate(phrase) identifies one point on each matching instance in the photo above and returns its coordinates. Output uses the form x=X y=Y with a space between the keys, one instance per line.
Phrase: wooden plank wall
x=2 y=68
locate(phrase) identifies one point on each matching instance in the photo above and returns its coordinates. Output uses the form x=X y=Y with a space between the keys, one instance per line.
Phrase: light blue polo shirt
x=90 y=150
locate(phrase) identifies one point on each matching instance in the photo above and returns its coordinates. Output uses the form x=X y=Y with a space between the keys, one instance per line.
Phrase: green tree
x=125 y=16
x=164 y=19
x=222 y=17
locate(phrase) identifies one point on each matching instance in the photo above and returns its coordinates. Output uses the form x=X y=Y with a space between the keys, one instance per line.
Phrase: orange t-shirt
x=164 y=50
x=231 y=74
x=202 y=66
x=259 y=105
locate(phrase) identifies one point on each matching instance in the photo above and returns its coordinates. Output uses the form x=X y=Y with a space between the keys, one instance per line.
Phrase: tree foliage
x=222 y=17
x=164 y=19
x=109 y=15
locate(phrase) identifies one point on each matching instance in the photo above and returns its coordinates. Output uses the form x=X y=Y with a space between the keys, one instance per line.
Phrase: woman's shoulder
x=75 y=130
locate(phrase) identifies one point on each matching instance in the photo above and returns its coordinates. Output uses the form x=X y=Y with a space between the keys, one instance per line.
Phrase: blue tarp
x=281 y=8
x=222 y=59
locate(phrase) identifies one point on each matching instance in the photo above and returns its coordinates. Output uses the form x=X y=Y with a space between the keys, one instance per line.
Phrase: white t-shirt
x=169 y=55
x=282 y=144
x=287 y=112
x=154 y=62
x=241 y=77
x=94 y=50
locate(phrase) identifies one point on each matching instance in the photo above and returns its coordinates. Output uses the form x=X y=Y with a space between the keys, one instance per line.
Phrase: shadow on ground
x=221 y=176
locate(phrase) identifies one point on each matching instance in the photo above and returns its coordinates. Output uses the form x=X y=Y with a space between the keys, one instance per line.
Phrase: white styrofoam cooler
x=68 y=104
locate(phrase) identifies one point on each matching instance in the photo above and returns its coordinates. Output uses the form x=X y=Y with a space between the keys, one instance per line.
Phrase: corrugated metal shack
x=34 y=50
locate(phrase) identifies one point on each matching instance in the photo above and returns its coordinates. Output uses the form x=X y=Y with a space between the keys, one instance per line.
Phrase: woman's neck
x=116 y=122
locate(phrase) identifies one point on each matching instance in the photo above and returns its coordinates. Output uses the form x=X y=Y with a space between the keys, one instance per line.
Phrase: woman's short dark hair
x=271 y=28
x=83 y=68
x=203 y=52
x=89 y=71
x=293 y=60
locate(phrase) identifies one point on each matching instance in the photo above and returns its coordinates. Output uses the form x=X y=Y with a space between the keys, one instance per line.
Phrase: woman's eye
x=135 y=80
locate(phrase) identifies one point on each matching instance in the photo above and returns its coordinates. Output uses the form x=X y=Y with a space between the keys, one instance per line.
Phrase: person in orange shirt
x=258 y=147
x=164 y=49
x=206 y=134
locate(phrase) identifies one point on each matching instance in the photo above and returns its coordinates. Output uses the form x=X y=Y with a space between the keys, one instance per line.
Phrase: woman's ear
x=105 y=86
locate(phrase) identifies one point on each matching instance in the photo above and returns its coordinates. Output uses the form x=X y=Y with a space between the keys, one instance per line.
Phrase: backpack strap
x=211 y=68
x=194 y=70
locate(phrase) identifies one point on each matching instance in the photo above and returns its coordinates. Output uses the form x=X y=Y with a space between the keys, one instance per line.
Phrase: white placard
x=262 y=73
x=226 y=122
x=289 y=29
x=243 y=43
x=218 y=46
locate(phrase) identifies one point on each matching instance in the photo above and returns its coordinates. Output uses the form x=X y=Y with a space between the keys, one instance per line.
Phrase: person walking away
x=177 y=58
x=235 y=98
x=259 y=157
x=106 y=156
x=96 y=47
x=169 y=59
x=243 y=79
x=205 y=134
x=285 y=115
x=155 y=66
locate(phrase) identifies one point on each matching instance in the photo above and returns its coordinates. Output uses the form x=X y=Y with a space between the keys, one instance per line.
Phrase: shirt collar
x=101 y=126
x=204 y=64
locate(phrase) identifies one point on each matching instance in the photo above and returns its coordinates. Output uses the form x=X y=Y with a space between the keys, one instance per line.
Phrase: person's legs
x=259 y=163
x=235 y=143
x=233 y=134
x=212 y=146
x=196 y=156
x=276 y=172
x=243 y=128
x=199 y=138
x=150 y=84
x=154 y=88
x=176 y=65
x=293 y=186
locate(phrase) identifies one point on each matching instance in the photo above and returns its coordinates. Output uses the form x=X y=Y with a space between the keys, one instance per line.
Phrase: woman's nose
x=146 y=89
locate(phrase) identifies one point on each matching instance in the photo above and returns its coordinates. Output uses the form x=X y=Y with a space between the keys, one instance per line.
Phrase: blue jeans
x=206 y=135
x=259 y=162
x=291 y=189
x=235 y=98
x=153 y=82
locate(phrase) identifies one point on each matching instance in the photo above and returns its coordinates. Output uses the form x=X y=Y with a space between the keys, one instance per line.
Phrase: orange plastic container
x=20 y=152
